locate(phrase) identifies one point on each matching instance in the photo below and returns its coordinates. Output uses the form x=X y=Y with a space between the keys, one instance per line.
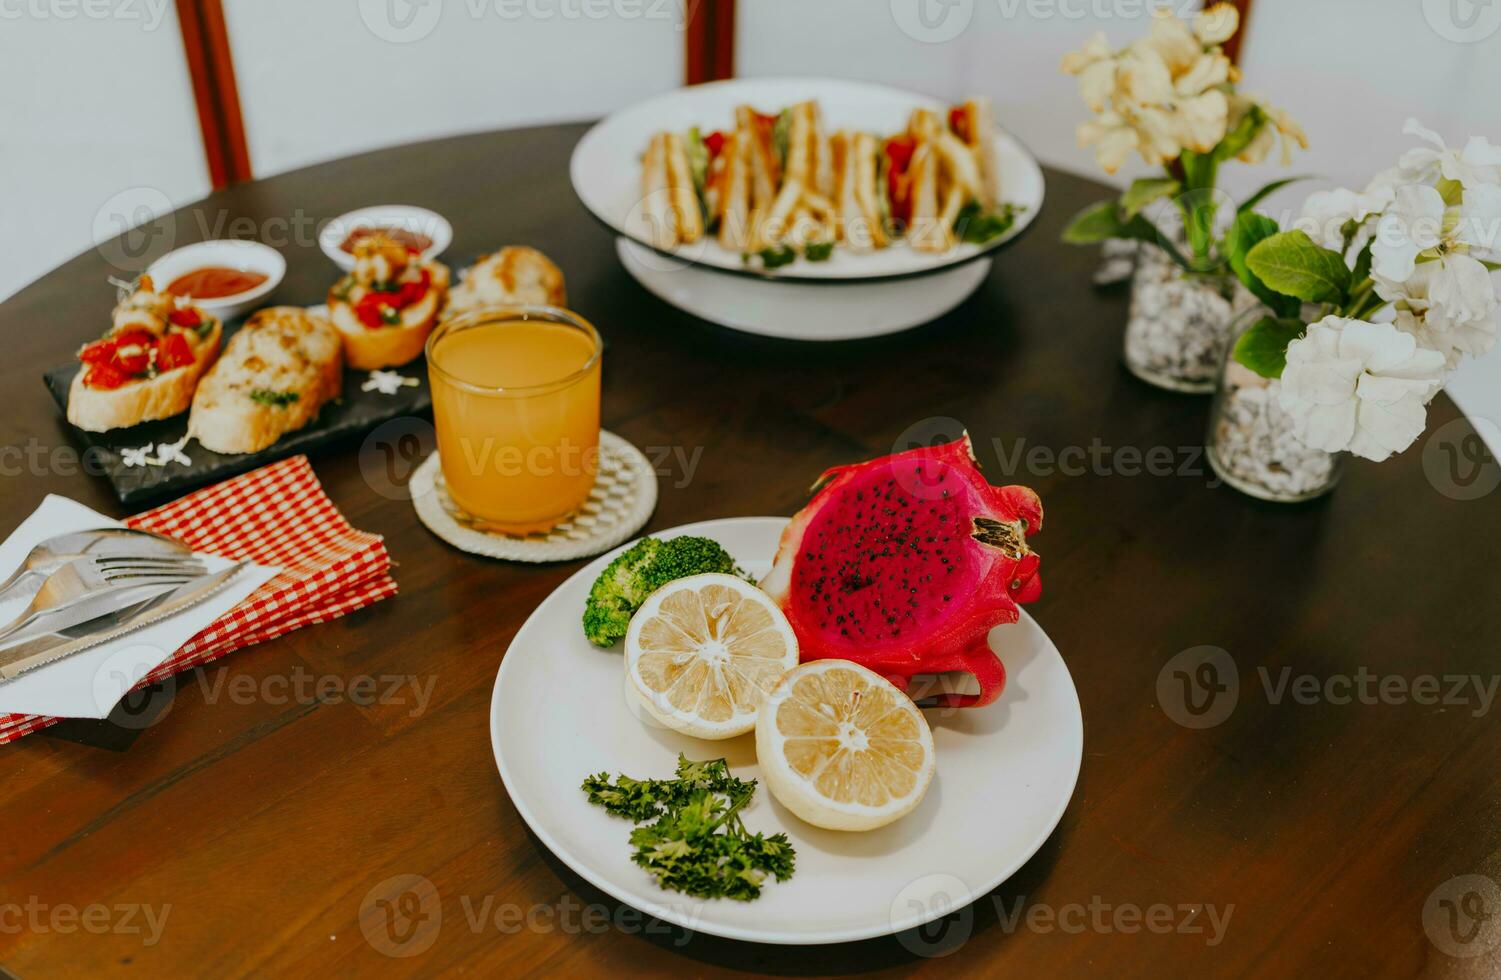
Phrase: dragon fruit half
x=905 y=563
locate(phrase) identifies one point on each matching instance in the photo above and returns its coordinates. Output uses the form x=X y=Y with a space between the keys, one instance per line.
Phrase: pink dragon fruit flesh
x=905 y=563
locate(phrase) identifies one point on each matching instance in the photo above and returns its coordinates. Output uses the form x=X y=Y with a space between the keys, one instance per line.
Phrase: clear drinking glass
x=516 y=408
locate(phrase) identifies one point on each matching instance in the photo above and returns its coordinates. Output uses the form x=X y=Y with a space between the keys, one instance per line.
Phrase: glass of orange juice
x=516 y=407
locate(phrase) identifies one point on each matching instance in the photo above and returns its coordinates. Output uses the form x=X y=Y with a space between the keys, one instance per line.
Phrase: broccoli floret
x=641 y=570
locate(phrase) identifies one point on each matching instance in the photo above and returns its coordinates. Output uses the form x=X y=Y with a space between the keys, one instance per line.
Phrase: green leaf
x=1363 y=263
x=1146 y=190
x=1290 y=263
x=1100 y=221
x=1241 y=136
x=1266 y=191
x=1245 y=232
x=1094 y=224
x=1263 y=348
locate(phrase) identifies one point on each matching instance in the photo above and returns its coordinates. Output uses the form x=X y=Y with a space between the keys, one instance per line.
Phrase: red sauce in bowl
x=413 y=240
x=215 y=282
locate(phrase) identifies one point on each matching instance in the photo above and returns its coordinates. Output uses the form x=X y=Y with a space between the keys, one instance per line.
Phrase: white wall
x=323 y=80
x=97 y=127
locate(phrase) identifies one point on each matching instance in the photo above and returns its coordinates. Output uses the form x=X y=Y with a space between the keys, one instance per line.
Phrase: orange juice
x=516 y=407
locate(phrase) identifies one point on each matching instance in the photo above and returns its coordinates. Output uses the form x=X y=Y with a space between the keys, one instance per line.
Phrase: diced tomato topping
x=172 y=351
x=959 y=122
x=105 y=376
x=185 y=317
x=714 y=142
x=768 y=121
x=371 y=310
x=899 y=150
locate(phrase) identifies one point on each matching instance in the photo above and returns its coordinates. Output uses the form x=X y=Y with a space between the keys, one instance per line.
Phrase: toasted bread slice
x=370 y=348
x=735 y=201
x=658 y=224
x=925 y=229
x=870 y=230
x=166 y=395
x=688 y=219
x=515 y=275
x=979 y=134
x=765 y=171
x=276 y=374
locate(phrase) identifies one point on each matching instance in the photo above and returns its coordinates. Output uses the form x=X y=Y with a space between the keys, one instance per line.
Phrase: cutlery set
x=89 y=587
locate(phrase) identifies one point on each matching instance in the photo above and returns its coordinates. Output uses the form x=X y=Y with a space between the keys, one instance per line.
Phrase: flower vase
x=1251 y=443
x=1180 y=322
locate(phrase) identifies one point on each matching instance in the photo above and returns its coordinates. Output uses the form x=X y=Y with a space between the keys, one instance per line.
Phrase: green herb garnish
x=342 y=288
x=696 y=842
x=777 y=256
x=205 y=327
x=389 y=316
x=818 y=251
x=275 y=399
x=979 y=226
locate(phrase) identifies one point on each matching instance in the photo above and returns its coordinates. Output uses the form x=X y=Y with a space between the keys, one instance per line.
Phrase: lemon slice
x=703 y=652
x=843 y=748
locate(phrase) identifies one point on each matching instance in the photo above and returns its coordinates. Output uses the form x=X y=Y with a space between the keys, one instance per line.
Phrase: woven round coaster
x=623 y=498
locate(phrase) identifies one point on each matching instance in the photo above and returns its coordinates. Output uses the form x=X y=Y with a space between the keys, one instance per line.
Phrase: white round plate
x=791 y=310
x=606 y=169
x=1005 y=775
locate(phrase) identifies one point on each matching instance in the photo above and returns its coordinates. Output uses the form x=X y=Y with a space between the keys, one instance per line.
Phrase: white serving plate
x=606 y=170
x=1005 y=775
x=795 y=312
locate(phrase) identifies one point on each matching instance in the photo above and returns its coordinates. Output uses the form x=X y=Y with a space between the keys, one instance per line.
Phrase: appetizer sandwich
x=275 y=375
x=781 y=186
x=514 y=275
x=147 y=366
x=385 y=308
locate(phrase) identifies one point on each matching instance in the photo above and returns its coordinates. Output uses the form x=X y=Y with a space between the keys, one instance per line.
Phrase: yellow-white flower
x=1217 y=24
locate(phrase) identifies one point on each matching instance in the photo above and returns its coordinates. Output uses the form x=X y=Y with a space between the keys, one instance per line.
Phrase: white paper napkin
x=91 y=683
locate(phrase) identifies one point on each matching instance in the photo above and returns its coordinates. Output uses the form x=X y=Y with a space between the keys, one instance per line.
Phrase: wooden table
x=1320 y=829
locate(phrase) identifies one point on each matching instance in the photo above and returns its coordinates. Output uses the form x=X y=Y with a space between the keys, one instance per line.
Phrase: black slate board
x=354 y=414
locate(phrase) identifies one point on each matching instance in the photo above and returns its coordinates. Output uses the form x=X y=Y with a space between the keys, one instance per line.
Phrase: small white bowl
x=243 y=256
x=404 y=216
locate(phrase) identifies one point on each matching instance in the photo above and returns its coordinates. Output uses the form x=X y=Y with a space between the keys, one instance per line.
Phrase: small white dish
x=243 y=256
x=1006 y=773
x=606 y=171
x=791 y=310
x=404 y=216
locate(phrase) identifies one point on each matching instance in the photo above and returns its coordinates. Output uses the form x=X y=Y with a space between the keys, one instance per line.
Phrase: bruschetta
x=385 y=308
x=514 y=275
x=148 y=365
x=276 y=374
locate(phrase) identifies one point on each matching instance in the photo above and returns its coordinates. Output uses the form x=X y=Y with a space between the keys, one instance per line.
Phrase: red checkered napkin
x=277 y=515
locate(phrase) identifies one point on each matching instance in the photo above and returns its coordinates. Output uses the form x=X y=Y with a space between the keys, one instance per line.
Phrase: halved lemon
x=703 y=652
x=842 y=747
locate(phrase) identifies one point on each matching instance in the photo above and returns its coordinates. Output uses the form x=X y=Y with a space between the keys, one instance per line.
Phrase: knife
x=104 y=629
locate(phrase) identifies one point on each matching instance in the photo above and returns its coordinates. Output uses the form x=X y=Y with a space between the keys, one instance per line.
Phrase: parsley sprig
x=695 y=841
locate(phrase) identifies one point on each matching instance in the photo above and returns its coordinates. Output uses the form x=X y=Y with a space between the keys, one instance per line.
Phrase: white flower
x=1478 y=163
x=140 y=456
x=1480 y=220
x=1450 y=293
x=171 y=452
x=1358 y=386
x=1474 y=338
x=387 y=382
x=1217 y=24
x=1412 y=225
x=1325 y=214
x=1095 y=64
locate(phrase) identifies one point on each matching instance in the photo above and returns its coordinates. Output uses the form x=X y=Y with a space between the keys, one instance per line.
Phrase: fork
x=55 y=552
x=86 y=588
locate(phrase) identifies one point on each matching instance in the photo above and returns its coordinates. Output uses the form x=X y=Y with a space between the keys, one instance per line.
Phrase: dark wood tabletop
x=1326 y=826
